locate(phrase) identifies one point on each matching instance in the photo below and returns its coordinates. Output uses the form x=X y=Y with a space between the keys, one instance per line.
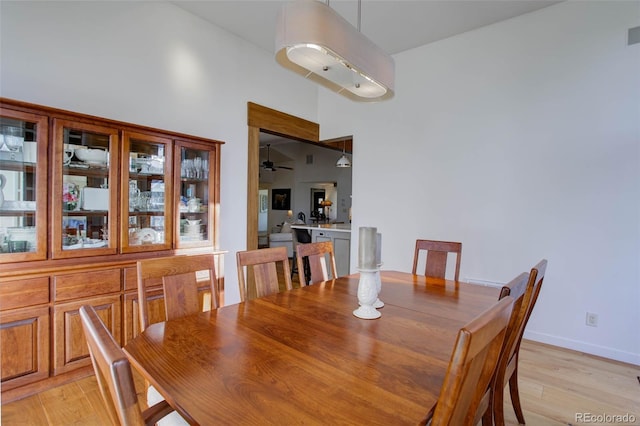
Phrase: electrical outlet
x=592 y=319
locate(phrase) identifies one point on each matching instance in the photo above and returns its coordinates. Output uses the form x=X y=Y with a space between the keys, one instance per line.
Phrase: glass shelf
x=22 y=177
x=85 y=189
x=194 y=227
x=147 y=194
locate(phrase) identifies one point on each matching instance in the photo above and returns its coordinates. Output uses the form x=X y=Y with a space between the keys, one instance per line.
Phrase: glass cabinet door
x=195 y=169
x=23 y=180
x=146 y=193
x=85 y=189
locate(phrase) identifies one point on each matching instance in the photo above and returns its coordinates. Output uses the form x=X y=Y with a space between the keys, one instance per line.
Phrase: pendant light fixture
x=343 y=161
x=316 y=42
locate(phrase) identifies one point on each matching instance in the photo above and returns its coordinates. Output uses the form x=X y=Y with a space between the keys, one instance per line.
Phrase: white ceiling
x=394 y=25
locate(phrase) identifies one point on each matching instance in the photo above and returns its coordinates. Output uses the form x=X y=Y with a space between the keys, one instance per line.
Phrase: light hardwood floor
x=555 y=385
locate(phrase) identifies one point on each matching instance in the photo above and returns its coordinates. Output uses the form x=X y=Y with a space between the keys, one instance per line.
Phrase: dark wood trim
x=280 y=123
x=338 y=144
x=261 y=118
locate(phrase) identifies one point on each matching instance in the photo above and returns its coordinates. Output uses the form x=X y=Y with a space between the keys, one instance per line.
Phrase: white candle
x=367 y=248
x=378 y=249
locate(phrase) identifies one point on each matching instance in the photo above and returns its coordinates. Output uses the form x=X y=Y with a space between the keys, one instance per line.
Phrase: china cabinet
x=82 y=200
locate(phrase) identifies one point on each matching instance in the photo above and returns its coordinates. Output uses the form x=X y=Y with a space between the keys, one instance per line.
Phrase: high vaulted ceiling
x=394 y=25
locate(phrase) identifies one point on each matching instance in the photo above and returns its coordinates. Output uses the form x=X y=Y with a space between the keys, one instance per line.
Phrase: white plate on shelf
x=18 y=205
x=192 y=237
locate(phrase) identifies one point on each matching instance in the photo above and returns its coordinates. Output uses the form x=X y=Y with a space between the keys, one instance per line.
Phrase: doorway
x=263 y=120
x=260 y=118
x=318 y=196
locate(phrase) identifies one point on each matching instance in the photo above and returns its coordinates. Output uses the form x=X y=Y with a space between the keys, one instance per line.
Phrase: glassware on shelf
x=146 y=171
x=22 y=179
x=134 y=195
x=194 y=168
x=194 y=226
x=13 y=138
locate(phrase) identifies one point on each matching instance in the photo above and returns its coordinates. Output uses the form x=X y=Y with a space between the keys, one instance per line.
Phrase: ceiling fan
x=270 y=165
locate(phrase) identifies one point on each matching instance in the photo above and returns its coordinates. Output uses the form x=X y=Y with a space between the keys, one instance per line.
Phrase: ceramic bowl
x=95 y=156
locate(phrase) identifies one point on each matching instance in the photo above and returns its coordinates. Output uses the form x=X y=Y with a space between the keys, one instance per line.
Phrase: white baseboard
x=589 y=348
x=483 y=282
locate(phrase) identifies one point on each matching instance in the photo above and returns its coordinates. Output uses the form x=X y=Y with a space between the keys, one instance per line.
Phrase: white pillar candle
x=378 y=249
x=367 y=248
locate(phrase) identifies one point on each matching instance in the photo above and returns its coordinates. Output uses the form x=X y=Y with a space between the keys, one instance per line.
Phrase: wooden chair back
x=521 y=289
x=437 y=253
x=181 y=277
x=506 y=371
x=264 y=264
x=317 y=254
x=464 y=396
x=114 y=376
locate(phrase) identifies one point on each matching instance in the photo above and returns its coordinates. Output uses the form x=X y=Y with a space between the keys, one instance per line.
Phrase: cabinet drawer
x=86 y=284
x=24 y=292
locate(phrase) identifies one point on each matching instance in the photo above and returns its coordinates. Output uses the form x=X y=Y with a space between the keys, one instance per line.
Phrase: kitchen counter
x=340 y=236
x=338 y=227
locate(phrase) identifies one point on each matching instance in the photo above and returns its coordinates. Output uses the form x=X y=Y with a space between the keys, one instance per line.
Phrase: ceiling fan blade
x=285 y=167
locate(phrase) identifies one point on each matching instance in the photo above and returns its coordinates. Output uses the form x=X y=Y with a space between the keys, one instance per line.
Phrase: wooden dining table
x=302 y=357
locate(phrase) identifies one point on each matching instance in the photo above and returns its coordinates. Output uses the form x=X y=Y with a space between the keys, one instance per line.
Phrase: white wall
x=150 y=63
x=522 y=140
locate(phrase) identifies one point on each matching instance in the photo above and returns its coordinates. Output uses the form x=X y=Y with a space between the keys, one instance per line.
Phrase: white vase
x=378 y=303
x=367 y=295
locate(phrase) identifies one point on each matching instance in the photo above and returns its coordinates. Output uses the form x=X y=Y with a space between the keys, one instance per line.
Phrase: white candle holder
x=367 y=295
x=378 y=303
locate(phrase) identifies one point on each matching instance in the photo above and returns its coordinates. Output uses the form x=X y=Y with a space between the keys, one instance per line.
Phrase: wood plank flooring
x=555 y=385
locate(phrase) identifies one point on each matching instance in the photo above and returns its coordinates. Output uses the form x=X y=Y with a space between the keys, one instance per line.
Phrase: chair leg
x=487 y=418
x=294 y=266
x=497 y=405
x=307 y=270
x=515 y=395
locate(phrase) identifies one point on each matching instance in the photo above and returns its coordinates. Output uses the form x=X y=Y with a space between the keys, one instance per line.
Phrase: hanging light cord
x=359 y=13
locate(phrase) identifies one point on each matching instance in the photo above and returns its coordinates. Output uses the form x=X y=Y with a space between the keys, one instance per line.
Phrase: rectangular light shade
x=319 y=44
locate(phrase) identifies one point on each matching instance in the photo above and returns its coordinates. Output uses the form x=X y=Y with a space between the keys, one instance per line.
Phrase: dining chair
x=115 y=378
x=465 y=394
x=507 y=370
x=265 y=272
x=300 y=236
x=181 y=278
x=520 y=290
x=317 y=254
x=437 y=253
